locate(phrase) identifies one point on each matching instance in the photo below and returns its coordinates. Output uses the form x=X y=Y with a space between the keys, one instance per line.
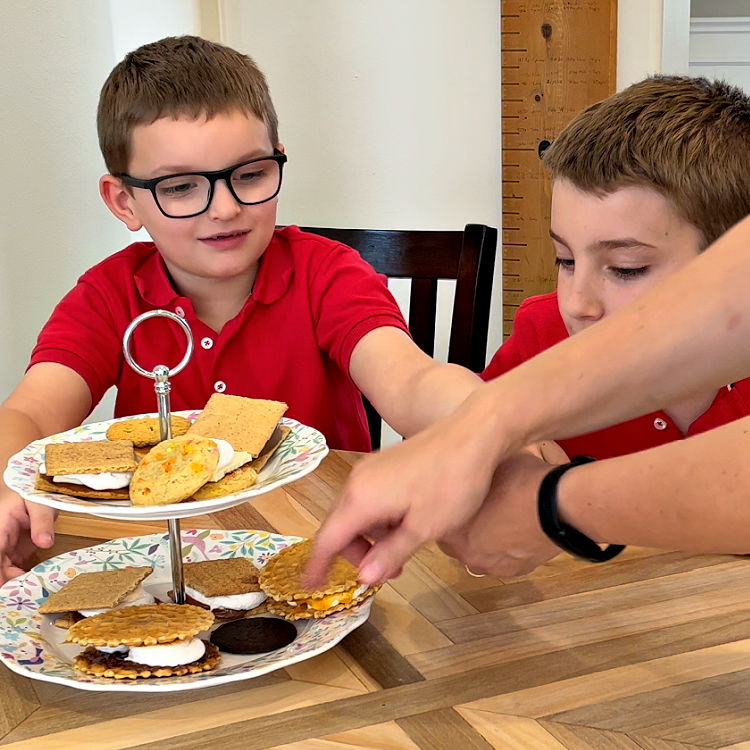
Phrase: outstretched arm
x=687 y=334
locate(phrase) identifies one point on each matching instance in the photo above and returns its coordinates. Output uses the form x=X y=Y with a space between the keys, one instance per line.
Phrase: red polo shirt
x=538 y=326
x=312 y=302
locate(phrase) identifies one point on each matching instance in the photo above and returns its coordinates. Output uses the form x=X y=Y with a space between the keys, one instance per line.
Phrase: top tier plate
x=298 y=455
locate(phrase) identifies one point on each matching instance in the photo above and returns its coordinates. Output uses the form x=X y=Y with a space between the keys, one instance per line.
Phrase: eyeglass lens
x=189 y=194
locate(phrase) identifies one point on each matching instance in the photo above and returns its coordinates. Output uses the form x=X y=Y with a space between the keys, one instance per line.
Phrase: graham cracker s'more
x=281 y=579
x=228 y=587
x=246 y=423
x=91 y=593
x=92 y=469
x=152 y=640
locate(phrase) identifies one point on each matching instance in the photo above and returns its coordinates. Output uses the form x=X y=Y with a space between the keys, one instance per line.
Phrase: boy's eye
x=629 y=273
x=248 y=174
x=566 y=264
x=177 y=188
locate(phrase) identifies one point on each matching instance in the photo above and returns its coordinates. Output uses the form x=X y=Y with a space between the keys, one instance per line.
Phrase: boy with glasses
x=190 y=139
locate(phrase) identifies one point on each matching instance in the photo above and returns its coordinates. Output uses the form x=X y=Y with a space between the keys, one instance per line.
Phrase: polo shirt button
x=220 y=386
x=660 y=424
x=180 y=311
x=207 y=343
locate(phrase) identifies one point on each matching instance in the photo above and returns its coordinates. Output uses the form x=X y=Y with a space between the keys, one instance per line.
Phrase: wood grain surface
x=650 y=651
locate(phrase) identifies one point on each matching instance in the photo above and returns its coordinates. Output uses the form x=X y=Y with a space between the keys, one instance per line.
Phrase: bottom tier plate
x=32 y=646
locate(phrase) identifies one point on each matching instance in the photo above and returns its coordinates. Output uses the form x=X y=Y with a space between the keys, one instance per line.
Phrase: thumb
x=388 y=556
x=41 y=524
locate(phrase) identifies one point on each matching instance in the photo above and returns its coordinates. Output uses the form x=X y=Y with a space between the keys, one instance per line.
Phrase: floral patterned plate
x=298 y=455
x=32 y=645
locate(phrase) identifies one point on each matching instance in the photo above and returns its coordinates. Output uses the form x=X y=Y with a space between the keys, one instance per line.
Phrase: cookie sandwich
x=228 y=587
x=100 y=469
x=251 y=428
x=288 y=597
x=151 y=640
x=90 y=594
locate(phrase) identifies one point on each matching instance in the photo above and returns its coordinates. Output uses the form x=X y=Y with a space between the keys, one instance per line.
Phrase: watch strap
x=562 y=534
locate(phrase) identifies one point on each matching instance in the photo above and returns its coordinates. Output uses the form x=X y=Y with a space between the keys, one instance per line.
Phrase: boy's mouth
x=225 y=240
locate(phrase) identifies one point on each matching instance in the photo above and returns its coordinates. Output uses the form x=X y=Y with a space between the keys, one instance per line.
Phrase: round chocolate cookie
x=253 y=635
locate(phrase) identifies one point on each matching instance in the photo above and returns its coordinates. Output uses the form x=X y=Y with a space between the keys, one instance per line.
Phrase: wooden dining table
x=650 y=651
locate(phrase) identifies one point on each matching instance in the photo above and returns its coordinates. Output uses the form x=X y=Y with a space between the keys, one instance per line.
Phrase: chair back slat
x=468 y=257
x=422 y=312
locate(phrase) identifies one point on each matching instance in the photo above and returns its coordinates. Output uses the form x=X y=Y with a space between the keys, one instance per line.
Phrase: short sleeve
x=349 y=299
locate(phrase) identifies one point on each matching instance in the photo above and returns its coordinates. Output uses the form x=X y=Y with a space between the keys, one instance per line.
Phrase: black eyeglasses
x=180 y=196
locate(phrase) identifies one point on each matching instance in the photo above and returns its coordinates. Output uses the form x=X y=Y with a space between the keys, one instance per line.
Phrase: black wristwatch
x=561 y=533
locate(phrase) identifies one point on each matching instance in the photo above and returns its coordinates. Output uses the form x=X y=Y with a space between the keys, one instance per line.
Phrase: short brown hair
x=182 y=76
x=687 y=138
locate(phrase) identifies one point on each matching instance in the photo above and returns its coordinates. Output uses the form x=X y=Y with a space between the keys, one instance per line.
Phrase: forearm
x=689 y=495
x=687 y=334
x=431 y=393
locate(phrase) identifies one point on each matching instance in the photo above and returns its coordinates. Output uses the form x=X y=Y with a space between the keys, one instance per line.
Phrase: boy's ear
x=280 y=147
x=118 y=200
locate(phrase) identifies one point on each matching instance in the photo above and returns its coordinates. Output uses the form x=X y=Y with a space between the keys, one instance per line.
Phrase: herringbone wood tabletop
x=650 y=651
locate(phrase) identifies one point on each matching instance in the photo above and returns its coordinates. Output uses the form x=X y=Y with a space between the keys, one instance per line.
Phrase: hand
x=504 y=538
x=23 y=527
x=414 y=492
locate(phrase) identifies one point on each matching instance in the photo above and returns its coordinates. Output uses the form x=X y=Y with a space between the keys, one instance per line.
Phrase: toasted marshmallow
x=250 y=600
x=171 y=654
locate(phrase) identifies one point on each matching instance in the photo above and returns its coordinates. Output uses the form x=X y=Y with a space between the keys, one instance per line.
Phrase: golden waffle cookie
x=280 y=578
x=173 y=470
x=145 y=431
x=236 y=481
x=246 y=423
x=45 y=484
x=233 y=575
x=105 y=588
x=100 y=664
x=93 y=457
x=142 y=625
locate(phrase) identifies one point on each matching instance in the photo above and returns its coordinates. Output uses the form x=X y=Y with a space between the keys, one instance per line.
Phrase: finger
x=8 y=571
x=388 y=556
x=338 y=533
x=41 y=524
x=355 y=551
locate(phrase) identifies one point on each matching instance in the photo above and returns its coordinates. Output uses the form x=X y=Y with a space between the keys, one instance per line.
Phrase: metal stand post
x=162 y=386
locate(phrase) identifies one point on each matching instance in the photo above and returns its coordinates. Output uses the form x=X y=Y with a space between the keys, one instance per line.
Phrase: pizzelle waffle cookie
x=173 y=470
x=246 y=423
x=133 y=630
x=288 y=597
x=145 y=431
x=104 y=588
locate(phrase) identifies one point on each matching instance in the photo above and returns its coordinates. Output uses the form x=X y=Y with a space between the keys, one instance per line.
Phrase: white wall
x=389 y=112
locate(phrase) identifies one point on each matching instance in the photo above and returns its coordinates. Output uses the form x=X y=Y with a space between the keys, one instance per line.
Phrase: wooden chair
x=424 y=257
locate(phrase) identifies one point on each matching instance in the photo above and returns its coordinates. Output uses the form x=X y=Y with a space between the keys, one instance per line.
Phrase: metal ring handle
x=157 y=314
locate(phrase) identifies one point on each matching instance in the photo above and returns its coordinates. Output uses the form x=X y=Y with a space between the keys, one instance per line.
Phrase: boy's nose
x=223 y=204
x=583 y=302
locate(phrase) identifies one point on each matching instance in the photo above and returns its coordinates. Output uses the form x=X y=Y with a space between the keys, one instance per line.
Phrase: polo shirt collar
x=275 y=270
x=152 y=280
